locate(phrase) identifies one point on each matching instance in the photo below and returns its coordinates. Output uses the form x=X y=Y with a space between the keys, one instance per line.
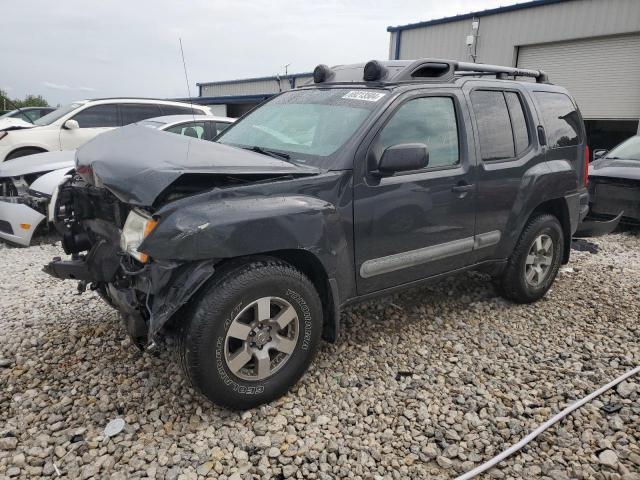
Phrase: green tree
x=28 y=101
x=31 y=101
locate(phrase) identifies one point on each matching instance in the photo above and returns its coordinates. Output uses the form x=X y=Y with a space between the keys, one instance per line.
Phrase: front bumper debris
x=148 y=297
x=593 y=227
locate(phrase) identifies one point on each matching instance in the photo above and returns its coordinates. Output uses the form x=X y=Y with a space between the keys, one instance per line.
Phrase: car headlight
x=138 y=225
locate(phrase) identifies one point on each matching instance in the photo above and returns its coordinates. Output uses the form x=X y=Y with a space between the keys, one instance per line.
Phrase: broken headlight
x=138 y=225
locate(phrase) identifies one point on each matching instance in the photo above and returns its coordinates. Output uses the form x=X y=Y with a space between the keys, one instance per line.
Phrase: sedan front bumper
x=18 y=222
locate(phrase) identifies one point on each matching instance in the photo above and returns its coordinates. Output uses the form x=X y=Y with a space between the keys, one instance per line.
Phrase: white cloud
x=56 y=86
x=94 y=45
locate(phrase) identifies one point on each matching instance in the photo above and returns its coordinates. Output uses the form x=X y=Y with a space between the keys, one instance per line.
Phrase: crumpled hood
x=40 y=162
x=138 y=163
x=615 y=168
x=12 y=123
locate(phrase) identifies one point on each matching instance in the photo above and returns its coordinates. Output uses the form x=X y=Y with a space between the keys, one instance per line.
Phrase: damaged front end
x=21 y=209
x=101 y=234
x=125 y=179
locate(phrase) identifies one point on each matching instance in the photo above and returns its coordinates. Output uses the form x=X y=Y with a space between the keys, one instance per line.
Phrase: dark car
x=378 y=177
x=614 y=182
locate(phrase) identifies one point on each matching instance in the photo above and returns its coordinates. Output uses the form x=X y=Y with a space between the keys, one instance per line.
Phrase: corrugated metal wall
x=249 y=87
x=603 y=74
x=500 y=34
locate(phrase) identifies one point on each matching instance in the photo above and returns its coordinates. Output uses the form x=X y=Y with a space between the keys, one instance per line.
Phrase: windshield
x=308 y=125
x=627 y=150
x=9 y=114
x=49 y=118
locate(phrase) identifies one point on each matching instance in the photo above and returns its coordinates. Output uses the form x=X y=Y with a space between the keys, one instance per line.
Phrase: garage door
x=603 y=73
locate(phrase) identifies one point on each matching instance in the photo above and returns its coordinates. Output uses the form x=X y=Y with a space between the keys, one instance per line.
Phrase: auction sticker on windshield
x=364 y=95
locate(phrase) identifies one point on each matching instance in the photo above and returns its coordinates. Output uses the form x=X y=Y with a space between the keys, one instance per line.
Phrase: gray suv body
x=377 y=177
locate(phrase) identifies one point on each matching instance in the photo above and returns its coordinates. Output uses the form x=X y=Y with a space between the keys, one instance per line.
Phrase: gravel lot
x=425 y=384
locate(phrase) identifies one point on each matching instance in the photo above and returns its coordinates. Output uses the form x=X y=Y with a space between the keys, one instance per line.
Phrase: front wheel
x=251 y=334
x=23 y=153
x=535 y=261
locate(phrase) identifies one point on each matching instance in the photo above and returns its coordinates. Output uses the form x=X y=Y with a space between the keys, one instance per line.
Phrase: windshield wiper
x=271 y=153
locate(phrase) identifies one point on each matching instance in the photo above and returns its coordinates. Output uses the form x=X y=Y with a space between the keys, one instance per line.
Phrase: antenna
x=186 y=77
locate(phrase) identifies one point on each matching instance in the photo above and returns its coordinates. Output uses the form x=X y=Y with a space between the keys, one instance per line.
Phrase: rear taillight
x=586 y=165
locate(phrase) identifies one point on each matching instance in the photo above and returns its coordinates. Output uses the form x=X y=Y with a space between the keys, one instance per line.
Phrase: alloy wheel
x=261 y=338
x=539 y=260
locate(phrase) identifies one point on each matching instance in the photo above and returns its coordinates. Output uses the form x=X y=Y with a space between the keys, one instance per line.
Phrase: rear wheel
x=251 y=334
x=535 y=261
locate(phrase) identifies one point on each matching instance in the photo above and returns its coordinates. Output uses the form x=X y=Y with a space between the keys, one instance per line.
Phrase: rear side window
x=561 y=120
x=494 y=125
x=132 y=112
x=99 y=116
x=429 y=120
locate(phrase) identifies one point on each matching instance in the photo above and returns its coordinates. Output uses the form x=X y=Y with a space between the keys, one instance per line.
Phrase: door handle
x=462 y=188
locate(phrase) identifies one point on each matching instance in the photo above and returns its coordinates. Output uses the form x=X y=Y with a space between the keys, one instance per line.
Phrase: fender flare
x=242 y=226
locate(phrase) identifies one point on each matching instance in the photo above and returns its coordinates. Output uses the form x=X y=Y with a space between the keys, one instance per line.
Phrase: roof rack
x=422 y=70
x=500 y=72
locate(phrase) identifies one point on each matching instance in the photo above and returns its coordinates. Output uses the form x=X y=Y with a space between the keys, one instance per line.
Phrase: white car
x=28 y=187
x=23 y=117
x=73 y=125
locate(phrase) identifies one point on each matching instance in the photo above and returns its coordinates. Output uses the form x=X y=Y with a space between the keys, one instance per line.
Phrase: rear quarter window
x=562 y=123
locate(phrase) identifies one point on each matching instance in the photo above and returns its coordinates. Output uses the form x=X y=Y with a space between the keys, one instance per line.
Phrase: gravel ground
x=425 y=384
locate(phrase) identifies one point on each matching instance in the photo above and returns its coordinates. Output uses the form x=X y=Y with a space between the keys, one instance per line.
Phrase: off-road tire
x=23 y=152
x=512 y=284
x=202 y=335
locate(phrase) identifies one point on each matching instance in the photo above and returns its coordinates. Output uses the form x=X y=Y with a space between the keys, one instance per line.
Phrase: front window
x=308 y=125
x=98 y=116
x=430 y=121
x=627 y=150
x=57 y=114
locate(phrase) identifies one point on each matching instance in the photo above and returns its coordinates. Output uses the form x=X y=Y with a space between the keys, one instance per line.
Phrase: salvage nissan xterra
x=375 y=178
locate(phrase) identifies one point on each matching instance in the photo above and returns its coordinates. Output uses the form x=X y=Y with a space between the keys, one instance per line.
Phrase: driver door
x=417 y=224
x=92 y=121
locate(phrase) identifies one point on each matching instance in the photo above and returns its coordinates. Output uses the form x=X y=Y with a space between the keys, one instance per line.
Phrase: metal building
x=233 y=98
x=592 y=47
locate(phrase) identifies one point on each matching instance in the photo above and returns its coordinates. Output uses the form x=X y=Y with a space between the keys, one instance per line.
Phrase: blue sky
x=77 y=49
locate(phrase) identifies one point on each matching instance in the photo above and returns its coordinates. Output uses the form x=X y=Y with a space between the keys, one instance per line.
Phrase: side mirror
x=599 y=153
x=71 y=125
x=403 y=158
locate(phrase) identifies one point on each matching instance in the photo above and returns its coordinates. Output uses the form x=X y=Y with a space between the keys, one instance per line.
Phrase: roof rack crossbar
x=500 y=71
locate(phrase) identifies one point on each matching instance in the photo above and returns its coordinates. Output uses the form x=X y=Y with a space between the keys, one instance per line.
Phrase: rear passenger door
x=417 y=224
x=507 y=146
